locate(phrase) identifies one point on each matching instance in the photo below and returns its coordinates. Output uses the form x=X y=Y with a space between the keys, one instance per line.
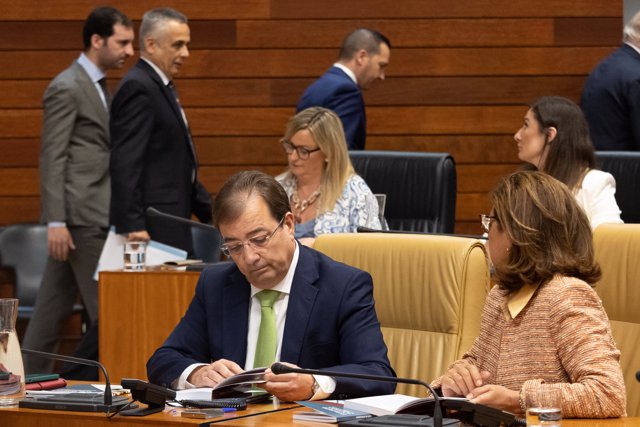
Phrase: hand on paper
x=210 y=375
x=59 y=242
x=289 y=387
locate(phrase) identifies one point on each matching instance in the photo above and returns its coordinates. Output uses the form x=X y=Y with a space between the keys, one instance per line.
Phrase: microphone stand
x=108 y=399
x=279 y=368
x=151 y=211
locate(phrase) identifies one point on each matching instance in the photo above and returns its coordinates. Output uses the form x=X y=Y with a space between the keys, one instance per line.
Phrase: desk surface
x=263 y=415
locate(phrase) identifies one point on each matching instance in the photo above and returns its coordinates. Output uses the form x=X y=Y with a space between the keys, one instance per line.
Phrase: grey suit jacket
x=74 y=154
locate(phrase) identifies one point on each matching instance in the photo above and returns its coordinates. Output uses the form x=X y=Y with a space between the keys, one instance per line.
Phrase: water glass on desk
x=544 y=408
x=134 y=255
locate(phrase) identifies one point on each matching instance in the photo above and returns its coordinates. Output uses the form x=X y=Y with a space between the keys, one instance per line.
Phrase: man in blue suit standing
x=277 y=301
x=611 y=96
x=363 y=57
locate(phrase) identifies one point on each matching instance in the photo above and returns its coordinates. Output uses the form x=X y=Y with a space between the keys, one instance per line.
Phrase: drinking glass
x=12 y=383
x=134 y=256
x=544 y=408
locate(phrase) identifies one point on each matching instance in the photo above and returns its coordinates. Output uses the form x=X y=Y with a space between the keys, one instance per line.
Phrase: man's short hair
x=155 y=18
x=362 y=38
x=232 y=198
x=101 y=21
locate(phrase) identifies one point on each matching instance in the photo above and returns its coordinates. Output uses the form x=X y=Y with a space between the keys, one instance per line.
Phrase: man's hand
x=59 y=242
x=138 y=236
x=289 y=387
x=496 y=396
x=461 y=379
x=210 y=375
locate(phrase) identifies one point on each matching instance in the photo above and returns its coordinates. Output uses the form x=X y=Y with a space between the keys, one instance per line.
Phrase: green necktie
x=268 y=336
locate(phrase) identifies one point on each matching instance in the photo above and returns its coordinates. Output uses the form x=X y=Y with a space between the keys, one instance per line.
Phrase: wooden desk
x=266 y=415
x=138 y=310
x=19 y=417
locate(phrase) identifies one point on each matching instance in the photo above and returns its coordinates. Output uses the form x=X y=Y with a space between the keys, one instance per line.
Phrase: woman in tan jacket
x=543 y=326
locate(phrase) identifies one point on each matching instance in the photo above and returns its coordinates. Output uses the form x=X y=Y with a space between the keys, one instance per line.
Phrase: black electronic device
x=4 y=375
x=154 y=396
x=239 y=403
x=77 y=402
x=83 y=402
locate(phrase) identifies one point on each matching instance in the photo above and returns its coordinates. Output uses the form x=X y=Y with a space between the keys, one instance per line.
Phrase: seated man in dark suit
x=320 y=314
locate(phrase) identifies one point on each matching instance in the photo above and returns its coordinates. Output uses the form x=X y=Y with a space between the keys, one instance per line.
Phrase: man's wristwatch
x=315 y=387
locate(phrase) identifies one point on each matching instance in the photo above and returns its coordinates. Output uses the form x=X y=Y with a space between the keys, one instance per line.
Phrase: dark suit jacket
x=611 y=101
x=331 y=323
x=336 y=91
x=74 y=154
x=152 y=160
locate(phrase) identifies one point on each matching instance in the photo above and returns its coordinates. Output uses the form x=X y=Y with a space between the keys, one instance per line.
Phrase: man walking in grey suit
x=74 y=178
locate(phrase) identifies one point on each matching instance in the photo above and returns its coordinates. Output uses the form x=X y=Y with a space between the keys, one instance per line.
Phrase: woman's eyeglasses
x=303 y=152
x=485 y=220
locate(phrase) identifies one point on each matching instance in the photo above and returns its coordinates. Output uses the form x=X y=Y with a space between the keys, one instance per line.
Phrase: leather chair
x=23 y=247
x=625 y=168
x=420 y=187
x=206 y=244
x=429 y=292
x=617 y=250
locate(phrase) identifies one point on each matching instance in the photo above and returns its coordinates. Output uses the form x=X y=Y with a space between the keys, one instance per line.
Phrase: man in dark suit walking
x=153 y=158
x=611 y=95
x=278 y=301
x=74 y=178
x=363 y=57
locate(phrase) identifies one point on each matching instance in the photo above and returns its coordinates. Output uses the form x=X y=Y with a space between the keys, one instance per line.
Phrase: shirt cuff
x=181 y=382
x=327 y=386
x=56 y=224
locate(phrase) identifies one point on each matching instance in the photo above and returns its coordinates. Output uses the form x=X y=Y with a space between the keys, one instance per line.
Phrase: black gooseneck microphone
x=280 y=368
x=108 y=400
x=151 y=211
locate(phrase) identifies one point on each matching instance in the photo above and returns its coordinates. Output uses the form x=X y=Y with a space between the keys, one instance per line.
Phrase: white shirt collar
x=285 y=285
x=162 y=75
x=92 y=69
x=634 y=47
x=347 y=71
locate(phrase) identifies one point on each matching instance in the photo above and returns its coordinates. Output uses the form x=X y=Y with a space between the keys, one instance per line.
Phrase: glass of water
x=544 y=408
x=134 y=255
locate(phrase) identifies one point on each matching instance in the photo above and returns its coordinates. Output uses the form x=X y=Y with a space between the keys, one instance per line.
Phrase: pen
x=229 y=410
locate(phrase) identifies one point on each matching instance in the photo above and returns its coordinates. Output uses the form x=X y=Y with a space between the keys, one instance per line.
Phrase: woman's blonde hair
x=549 y=232
x=326 y=129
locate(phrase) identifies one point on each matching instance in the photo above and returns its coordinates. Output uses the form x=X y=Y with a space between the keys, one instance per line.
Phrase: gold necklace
x=301 y=206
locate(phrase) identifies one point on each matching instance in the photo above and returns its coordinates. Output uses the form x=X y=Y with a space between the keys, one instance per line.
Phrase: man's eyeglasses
x=486 y=221
x=303 y=152
x=256 y=242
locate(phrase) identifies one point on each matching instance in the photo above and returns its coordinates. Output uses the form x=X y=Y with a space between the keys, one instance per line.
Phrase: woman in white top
x=554 y=138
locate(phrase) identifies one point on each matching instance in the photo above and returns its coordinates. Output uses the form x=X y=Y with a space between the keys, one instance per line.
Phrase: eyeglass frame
x=252 y=241
x=485 y=221
x=303 y=152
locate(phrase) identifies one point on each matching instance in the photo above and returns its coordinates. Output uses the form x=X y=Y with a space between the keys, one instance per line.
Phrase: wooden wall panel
x=336 y=9
x=460 y=78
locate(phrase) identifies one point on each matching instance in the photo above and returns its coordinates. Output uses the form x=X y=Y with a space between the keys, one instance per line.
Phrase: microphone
x=108 y=400
x=280 y=368
x=151 y=211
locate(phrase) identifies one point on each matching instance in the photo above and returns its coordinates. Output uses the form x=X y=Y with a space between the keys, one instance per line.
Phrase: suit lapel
x=171 y=100
x=236 y=318
x=301 y=301
x=91 y=94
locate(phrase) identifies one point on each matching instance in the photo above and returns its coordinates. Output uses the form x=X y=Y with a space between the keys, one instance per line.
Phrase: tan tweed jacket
x=560 y=339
